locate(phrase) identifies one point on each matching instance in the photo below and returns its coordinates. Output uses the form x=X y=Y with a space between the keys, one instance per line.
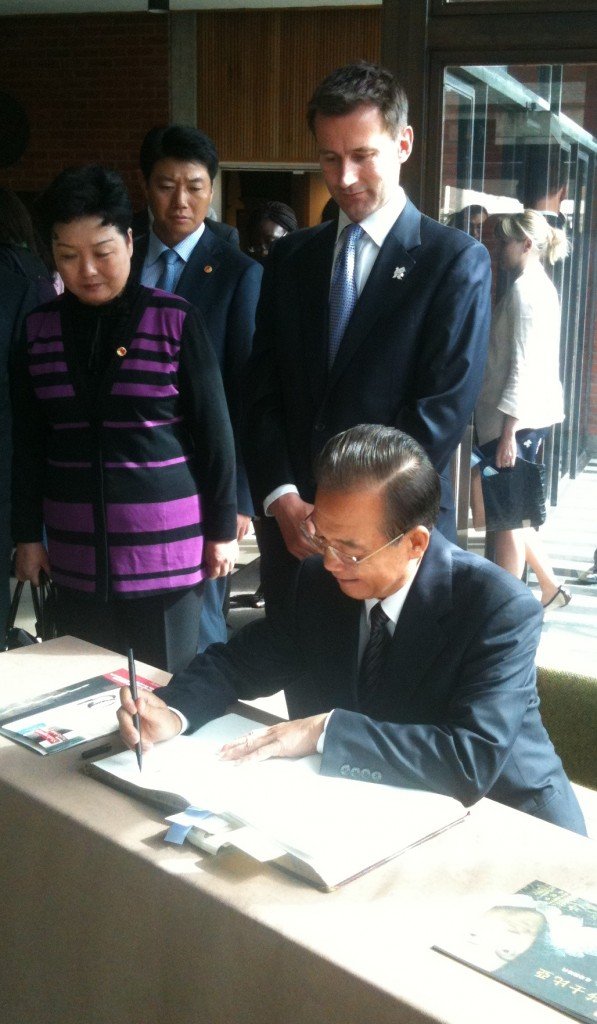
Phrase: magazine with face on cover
x=540 y=940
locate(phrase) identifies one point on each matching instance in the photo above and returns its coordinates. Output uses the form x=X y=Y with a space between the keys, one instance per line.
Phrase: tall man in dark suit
x=409 y=352
x=404 y=659
x=182 y=254
x=17 y=297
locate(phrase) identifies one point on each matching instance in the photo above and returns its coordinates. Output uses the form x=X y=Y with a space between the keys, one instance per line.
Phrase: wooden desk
x=103 y=923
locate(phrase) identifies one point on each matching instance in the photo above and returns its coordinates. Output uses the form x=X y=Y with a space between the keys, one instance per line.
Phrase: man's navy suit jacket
x=412 y=357
x=223 y=283
x=457 y=710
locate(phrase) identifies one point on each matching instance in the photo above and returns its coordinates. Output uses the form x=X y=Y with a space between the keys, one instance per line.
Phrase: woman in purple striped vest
x=123 y=450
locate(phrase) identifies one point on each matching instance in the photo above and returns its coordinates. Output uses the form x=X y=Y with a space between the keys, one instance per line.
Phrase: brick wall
x=91 y=85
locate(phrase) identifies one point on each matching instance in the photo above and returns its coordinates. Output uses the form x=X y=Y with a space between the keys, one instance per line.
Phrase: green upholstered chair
x=569 y=712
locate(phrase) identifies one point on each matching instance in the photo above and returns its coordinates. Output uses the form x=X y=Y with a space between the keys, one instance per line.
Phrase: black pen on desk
x=96 y=751
x=134 y=694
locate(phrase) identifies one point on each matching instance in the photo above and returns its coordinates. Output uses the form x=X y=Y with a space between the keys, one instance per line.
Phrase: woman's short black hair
x=90 y=191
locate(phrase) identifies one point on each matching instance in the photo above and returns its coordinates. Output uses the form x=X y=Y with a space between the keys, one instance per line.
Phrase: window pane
x=523 y=136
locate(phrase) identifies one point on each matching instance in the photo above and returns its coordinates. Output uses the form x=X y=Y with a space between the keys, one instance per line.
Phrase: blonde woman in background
x=521 y=397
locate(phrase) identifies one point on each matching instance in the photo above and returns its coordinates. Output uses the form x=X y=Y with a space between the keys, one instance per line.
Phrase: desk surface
x=103 y=923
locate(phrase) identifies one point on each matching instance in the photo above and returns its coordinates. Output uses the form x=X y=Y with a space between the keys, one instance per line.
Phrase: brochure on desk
x=540 y=940
x=326 y=830
x=66 y=717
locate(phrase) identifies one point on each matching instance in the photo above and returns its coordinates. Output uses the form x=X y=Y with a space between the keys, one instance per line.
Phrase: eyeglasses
x=321 y=546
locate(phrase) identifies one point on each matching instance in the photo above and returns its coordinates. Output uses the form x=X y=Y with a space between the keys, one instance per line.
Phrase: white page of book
x=340 y=825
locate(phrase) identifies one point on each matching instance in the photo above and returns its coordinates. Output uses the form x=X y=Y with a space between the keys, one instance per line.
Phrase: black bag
x=44 y=603
x=513 y=498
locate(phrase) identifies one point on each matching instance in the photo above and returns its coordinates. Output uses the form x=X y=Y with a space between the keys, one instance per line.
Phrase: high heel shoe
x=560 y=599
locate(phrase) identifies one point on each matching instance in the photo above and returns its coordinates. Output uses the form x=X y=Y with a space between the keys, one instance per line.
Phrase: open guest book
x=325 y=830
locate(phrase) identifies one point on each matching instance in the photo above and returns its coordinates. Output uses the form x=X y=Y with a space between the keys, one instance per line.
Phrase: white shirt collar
x=392 y=604
x=155 y=247
x=378 y=224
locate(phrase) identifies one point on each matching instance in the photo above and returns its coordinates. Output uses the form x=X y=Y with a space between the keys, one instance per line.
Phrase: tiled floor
x=569 y=639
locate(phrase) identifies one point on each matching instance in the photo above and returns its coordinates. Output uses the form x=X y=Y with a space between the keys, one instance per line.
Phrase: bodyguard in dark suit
x=179 y=165
x=409 y=348
x=17 y=297
x=404 y=659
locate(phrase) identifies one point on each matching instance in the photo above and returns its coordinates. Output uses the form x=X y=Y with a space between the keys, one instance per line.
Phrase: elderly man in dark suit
x=379 y=317
x=182 y=254
x=404 y=659
x=17 y=297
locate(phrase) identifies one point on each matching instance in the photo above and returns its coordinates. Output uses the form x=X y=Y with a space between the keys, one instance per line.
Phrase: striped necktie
x=169 y=276
x=343 y=290
x=374 y=655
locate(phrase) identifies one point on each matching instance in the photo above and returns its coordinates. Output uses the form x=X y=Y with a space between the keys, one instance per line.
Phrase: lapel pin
x=121 y=351
x=399 y=273
x=207 y=268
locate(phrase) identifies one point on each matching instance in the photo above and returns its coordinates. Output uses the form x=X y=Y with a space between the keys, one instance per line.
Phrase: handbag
x=514 y=498
x=44 y=606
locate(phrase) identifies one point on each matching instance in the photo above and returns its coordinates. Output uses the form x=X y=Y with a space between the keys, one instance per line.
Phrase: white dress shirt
x=391 y=605
x=376 y=228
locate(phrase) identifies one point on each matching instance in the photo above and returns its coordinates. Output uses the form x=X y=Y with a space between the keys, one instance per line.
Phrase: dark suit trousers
x=212 y=626
x=162 y=630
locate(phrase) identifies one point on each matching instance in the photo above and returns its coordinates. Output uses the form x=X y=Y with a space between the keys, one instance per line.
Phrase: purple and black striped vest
x=122 y=507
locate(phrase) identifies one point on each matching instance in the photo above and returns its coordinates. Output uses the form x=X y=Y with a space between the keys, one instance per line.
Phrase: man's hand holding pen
x=157 y=721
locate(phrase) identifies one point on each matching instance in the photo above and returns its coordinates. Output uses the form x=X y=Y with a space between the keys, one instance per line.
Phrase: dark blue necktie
x=375 y=653
x=168 y=277
x=343 y=290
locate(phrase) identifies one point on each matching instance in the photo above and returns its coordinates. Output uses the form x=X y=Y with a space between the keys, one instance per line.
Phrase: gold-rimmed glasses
x=320 y=545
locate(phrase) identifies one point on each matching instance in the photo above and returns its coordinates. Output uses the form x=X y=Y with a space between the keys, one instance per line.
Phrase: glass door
x=524 y=136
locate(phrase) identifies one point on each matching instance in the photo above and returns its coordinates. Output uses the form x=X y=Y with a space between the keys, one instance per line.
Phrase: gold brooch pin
x=121 y=351
x=208 y=268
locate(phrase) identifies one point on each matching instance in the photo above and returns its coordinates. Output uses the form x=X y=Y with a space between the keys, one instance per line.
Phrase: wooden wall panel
x=257 y=69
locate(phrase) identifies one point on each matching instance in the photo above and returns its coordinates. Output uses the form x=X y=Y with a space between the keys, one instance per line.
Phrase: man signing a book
x=404 y=660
